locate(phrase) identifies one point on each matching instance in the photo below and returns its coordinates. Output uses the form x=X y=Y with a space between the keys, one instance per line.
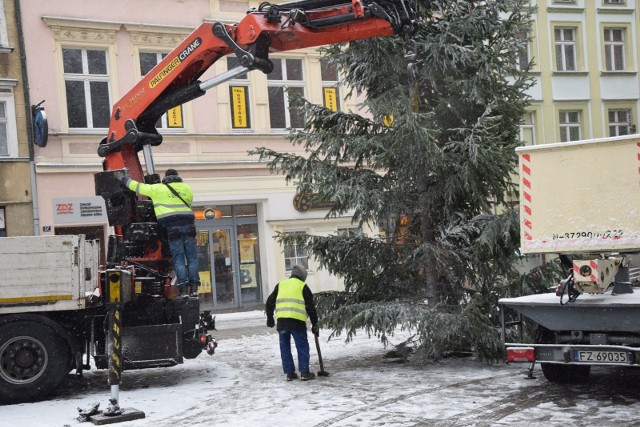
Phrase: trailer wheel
x=556 y=372
x=568 y=374
x=34 y=359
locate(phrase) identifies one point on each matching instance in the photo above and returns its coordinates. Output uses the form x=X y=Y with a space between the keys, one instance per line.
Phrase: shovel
x=322 y=372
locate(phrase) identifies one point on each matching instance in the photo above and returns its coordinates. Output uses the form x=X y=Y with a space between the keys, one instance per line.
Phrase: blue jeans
x=302 y=347
x=184 y=250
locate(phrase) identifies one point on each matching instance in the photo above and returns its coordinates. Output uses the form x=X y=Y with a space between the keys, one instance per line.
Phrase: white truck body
x=51 y=273
x=580 y=199
x=580 y=196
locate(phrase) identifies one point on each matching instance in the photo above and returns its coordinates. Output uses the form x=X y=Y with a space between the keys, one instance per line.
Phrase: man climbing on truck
x=172 y=201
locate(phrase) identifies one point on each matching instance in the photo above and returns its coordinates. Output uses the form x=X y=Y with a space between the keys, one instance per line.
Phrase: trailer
x=579 y=201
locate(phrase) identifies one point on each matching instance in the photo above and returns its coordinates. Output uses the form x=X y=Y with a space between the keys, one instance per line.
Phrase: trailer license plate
x=603 y=356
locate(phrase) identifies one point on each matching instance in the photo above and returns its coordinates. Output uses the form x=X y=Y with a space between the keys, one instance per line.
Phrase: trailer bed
x=46 y=273
x=590 y=312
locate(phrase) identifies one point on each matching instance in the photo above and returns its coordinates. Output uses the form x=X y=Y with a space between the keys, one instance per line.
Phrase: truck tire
x=568 y=374
x=557 y=372
x=34 y=359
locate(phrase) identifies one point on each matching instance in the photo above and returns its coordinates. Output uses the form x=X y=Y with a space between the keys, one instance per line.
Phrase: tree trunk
x=428 y=241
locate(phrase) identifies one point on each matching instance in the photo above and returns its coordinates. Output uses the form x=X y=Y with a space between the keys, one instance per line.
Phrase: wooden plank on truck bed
x=43 y=273
x=580 y=196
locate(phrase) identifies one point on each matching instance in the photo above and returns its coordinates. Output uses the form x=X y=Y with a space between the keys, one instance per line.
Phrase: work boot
x=193 y=290
x=306 y=376
x=292 y=376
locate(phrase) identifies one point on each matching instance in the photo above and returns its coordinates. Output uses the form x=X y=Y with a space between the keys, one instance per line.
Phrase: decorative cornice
x=160 y=39
x=73 y=29
x=614 y=74
x=569 y=73
x=565 y=9
x=621 y=11
x=67 y=34
x=5 y=82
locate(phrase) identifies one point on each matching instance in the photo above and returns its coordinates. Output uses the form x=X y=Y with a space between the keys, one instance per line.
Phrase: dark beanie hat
x=299 y=271
x=170 y=172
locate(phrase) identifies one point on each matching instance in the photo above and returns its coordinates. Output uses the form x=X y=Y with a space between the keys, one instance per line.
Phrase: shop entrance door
x=224 y=286
x=229 y=257
x=216 y=262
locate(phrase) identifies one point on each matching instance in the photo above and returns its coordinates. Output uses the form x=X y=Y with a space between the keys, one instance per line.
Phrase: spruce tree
x=430 y=158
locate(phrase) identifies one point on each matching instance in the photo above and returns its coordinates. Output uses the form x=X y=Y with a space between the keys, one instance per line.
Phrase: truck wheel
x=33 y=361
x=572 y=374
x=191 y=349
x=559 y=373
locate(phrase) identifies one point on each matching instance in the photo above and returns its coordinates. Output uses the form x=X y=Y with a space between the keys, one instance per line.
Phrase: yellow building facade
x=585 y=67
x=16 y=191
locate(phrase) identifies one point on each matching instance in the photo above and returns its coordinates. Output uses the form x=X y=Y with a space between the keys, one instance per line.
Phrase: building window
x=8 y=132
x=569 y=126
x=619 y=122
x=528 y=129
x=524 y=53
x=294 y=254
x=3 y=223
x=287 y=77
x=614 y=1
x=330 y=91
x=4 y=39
x=614 y=49
x=173 y=118
x=239 y=97
x=565 y=43
x=86 y=79
x=350 y=232
x=4 y=139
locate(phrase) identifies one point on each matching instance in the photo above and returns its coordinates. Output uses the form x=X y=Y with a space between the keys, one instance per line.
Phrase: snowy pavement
x=243 y=385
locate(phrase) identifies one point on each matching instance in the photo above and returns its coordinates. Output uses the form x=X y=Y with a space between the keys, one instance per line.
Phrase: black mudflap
x=186 y=310
x=152 y=346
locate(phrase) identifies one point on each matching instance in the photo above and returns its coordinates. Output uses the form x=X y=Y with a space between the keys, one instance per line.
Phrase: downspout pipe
x=29 y=118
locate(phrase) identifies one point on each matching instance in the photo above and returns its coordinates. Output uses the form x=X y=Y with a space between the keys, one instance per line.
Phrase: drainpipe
x=29 y=118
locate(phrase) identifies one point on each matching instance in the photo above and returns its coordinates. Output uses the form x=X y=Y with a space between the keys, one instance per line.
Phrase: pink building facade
x=83 y=56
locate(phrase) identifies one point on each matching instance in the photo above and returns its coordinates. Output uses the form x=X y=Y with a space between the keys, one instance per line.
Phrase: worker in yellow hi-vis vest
x=172 y=200
x=292 y=302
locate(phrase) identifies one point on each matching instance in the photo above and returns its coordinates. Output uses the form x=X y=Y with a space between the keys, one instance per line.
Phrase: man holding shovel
x=292 y=302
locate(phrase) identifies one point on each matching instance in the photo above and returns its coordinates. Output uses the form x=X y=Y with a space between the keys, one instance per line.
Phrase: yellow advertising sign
x=331 y=98
x=246 y=250
x=205 y=282
x=239 y=106
x=174 y=117
x=248 y=277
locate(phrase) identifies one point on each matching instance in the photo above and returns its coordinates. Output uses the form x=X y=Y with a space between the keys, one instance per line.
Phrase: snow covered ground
x=243 y=385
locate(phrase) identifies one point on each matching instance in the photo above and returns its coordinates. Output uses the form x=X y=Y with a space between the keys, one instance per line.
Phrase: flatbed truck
x=579 y=201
